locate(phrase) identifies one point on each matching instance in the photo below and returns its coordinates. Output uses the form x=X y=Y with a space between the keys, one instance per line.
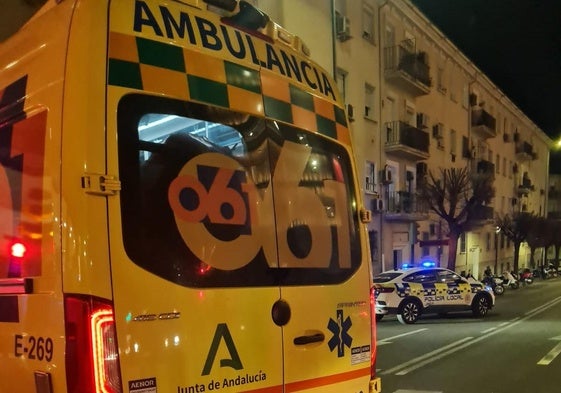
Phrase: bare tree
x=456 y=195
x=516 y=228
x=555 y=240
x=537 y=236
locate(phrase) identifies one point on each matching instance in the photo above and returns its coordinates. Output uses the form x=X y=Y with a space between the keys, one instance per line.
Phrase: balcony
x=482 y=215
x=525 y=151
x=406 y=141
x=554 y=194
x=407 y=69
x=485 y=167
x=483 y=124
x=525 y=187
x=404 y=206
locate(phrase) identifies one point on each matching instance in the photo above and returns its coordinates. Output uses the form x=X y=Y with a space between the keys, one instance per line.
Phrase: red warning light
x=18 y=250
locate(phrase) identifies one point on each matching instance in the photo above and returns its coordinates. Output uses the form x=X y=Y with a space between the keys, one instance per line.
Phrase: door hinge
x=98 y=184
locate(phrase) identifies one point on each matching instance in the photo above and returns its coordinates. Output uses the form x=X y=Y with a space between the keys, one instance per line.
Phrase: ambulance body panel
x=31 y=96
x=198 y=223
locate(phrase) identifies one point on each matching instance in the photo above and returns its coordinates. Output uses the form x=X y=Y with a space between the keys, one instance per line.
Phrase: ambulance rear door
x=324 y=281
x=193 y=254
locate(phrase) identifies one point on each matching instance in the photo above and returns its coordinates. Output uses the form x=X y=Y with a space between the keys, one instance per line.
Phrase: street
x=515 y=348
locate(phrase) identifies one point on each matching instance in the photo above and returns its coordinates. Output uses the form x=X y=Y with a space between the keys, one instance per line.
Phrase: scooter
x=550 y=271
x=526 y=277
x=498 y=288
x=507 y=283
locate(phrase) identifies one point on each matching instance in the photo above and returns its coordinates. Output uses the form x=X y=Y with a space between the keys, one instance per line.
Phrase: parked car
x=409 y=293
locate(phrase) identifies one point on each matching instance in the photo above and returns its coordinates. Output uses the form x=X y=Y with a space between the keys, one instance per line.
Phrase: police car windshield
x=385 y=277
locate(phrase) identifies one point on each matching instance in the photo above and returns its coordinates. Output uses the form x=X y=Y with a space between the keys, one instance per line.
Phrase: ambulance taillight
x=18 y=250
x=92 y=359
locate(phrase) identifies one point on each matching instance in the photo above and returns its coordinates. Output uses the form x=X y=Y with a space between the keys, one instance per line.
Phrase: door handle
x=308 y=339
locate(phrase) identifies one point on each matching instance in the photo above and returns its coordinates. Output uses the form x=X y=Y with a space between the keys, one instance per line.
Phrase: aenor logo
x=226 y=220
x=142 y=385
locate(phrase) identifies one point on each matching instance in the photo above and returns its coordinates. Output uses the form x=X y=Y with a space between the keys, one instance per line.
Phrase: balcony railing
x=485 y=167
x=525 y=151
x=406 y=141
x=483 y=213
x=405 y=206
x=525 y=186
x=407 y=68
x=483 y=124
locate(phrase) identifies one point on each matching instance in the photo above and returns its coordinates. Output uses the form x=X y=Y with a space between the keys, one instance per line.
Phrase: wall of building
x=383 y=104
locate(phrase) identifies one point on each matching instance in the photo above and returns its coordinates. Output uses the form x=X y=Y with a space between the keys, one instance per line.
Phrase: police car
x=420 y=290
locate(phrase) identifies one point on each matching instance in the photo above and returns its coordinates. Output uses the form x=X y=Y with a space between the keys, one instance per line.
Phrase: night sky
x=517 y=44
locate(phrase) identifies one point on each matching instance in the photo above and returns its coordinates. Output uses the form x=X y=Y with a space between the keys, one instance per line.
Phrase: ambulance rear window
x=216 y=198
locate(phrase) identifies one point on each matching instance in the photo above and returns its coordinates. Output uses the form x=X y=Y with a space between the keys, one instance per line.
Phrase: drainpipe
x=381 y=125
x=470 y=84
x=333 y=40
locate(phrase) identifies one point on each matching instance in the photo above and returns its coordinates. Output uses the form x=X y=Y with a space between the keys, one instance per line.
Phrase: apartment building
x=431 y=91
x=417 y=104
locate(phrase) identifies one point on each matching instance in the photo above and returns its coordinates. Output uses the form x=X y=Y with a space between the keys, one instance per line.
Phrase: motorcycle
x=507 y=282
x=550 y=271
x=498 y=288
x=526 y=277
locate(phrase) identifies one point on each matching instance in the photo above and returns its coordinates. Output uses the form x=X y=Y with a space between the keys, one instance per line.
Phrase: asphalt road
x=515 y=348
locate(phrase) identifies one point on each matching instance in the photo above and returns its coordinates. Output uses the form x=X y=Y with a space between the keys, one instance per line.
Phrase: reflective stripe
x=143 y=64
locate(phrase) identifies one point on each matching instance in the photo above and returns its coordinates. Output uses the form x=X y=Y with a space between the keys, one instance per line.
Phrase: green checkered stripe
x=127 y=73
x=169 y=57
x=405 y=289
x=299 y=98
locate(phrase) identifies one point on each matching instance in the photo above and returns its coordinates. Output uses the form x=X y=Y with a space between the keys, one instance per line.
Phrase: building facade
x=417 y=104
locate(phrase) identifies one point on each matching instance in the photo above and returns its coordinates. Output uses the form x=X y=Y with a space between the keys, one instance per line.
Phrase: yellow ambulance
x=179 y=207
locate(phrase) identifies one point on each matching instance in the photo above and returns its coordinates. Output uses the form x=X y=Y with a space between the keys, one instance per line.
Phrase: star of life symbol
x=341 y=337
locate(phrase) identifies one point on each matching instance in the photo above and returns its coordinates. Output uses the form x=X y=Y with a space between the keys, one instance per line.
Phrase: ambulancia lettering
x=198 y=31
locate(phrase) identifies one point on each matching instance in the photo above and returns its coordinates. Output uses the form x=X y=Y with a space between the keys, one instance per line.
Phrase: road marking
x=417 y=391
x=427 y=358
x=449 y=349
x=387 y=340
x=551 y=355
x=500 y=325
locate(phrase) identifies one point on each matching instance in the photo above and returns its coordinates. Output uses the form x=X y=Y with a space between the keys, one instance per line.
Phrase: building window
x=367 y=23
x=453 y=144
x=373 y=240
x=341 y=7
x=504 y=166
x=488 y=241
x=440 y=80
x=369 y=101
x=465 y=96
x=438 y=135
x=463 y=243
x=342 y=82
x=370 y=173
x=498 y=164
x=390 y=36
x=426 y=249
